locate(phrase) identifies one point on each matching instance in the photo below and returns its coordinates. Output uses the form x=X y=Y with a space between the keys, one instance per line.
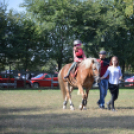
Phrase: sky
x=14 y=4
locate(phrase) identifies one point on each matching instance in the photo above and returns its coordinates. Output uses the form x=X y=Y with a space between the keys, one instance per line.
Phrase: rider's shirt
x=79 y=55
x=114 y=74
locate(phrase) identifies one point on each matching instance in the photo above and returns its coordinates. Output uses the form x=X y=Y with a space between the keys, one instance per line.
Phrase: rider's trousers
x=72 y=66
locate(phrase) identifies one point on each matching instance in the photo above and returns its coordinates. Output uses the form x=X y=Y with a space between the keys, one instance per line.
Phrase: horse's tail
x=61 y=83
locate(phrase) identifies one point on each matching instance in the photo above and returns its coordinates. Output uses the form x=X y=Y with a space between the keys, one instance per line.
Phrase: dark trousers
x=114 y=90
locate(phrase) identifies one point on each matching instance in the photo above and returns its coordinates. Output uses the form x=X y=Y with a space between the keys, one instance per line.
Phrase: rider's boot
x=72 y=66
x=66 y=76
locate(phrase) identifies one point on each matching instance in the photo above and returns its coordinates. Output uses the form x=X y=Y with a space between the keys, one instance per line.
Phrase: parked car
x=7 y=72
x=127 y=76
x=32 y=75
x=44 y=80
x=131 y=79
x=8 y=80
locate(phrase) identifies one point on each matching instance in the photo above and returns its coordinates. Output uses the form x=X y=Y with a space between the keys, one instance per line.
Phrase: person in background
x=103 y=85
x=28 y=75
x=19 y=76
x=114 y=73
x=78 y=54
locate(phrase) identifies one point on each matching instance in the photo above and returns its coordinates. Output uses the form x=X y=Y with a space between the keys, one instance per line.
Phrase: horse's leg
x=84 y=97
x=68 y=97
x=71 y=104
x=87 y=92
x=62 y=87
x=65 y=103
x=69 y=89
x=85 y=106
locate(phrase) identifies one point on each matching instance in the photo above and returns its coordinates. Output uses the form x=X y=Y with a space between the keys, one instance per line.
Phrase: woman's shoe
x=113 y=110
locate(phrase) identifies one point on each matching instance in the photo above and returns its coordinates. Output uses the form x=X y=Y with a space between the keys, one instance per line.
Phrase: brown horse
x=88 y=71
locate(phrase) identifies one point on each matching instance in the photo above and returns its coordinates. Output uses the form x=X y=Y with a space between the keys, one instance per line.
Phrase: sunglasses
x=77 y=45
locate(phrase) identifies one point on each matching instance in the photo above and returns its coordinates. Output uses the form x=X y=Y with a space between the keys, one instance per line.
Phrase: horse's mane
x=87 y=62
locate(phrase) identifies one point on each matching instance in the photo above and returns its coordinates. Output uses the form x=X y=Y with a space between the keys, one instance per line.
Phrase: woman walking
x=114 y=73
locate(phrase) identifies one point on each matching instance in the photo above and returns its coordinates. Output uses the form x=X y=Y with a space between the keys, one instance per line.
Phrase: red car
x=44 y=80
x=9 y=81
x=131 y=79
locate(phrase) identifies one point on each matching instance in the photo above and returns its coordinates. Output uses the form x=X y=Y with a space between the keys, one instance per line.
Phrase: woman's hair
x=111 y=63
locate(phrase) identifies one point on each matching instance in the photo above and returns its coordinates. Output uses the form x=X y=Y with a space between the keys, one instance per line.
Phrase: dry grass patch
x=40 y=112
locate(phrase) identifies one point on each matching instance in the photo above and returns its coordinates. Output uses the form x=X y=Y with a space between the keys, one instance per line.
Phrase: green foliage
x=46 y=32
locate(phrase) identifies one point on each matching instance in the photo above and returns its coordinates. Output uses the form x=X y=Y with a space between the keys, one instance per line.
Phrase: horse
x=87 y=72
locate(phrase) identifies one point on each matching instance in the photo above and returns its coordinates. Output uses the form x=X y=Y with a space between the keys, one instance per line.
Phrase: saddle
x=73 y=72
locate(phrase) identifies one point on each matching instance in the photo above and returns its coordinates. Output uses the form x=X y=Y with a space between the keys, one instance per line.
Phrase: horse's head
x=96 y=70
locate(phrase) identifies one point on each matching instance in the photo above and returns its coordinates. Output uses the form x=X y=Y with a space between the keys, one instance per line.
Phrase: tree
x=4 y=50
x=53 y=21
x=117 y=33
x=46 y=32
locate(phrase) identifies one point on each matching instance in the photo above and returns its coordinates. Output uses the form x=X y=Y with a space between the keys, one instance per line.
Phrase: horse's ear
x=93 y=61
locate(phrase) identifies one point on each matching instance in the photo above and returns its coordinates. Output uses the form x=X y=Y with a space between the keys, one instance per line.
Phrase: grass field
x=40 y=112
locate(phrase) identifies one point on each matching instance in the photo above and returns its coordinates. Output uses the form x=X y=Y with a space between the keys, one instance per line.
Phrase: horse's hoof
x=64 y=107
x=84 y=108
x=72 y=108
x=80 y=107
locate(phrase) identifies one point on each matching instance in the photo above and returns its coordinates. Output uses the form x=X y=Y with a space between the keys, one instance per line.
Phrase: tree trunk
x=59 y=65
x=123 y=68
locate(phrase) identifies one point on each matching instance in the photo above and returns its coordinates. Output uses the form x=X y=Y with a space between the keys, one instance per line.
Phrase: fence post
x=15 y=83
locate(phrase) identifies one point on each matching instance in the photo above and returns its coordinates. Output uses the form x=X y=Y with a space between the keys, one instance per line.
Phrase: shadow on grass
x=16 y=110
x=125 y=108
x=51 y=123
x=57 y=88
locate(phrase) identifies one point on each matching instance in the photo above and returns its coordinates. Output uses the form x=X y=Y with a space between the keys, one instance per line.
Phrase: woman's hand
x=120 y=78
x=102 y=78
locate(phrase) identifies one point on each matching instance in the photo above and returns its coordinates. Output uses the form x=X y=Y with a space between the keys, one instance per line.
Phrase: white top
x=114 y=74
